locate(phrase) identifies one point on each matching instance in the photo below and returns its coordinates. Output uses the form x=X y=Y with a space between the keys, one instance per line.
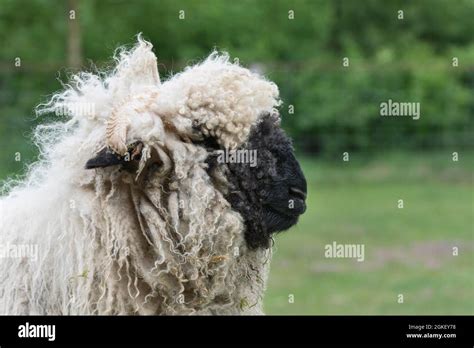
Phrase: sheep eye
x=154 y=167
x=210 y=143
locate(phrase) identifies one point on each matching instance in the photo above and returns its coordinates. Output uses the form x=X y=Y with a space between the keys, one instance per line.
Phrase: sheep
x=130 y=205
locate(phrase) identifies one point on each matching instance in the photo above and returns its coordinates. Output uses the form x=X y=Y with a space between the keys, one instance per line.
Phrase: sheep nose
x=296 y=192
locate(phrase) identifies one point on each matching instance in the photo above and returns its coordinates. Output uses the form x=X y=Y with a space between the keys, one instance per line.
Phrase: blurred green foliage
x=336 y=108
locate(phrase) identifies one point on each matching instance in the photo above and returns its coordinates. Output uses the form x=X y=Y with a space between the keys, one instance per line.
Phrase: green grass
x=407 y=251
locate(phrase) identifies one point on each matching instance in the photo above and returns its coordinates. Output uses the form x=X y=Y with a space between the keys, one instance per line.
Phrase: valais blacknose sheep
x=160 y=199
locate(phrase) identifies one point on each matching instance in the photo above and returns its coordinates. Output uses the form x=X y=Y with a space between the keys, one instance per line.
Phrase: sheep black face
x=269 y=194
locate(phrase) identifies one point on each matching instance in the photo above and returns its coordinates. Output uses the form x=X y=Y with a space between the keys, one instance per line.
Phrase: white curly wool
x=114 y=242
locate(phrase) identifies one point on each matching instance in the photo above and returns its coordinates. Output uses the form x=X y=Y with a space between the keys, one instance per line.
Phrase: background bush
x=336 y=108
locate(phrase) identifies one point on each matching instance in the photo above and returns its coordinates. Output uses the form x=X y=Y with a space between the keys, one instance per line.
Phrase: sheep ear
x=105 y=158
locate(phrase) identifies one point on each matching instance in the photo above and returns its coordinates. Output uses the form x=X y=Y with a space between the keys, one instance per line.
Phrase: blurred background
x=423 y=251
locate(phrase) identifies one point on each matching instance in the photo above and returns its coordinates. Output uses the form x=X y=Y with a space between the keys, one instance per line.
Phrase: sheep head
x=196 y=119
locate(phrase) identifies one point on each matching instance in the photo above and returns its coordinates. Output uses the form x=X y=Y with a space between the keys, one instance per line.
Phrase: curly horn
x=116 y=131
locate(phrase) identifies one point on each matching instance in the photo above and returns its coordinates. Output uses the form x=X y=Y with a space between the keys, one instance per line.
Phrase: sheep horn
x=116 y=132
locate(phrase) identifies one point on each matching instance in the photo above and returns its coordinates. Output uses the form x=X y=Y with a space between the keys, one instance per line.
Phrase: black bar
x=289 y=330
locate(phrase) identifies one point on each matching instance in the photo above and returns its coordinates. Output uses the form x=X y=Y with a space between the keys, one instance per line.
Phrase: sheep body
x=111 y=242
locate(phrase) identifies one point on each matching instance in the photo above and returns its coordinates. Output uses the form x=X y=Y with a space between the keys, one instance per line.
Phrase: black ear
x=104 y=158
